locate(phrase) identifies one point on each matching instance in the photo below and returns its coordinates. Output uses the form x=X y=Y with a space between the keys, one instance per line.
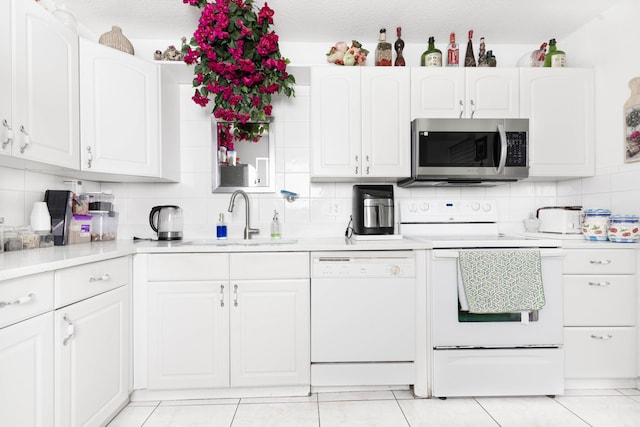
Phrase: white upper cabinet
x=559 y=103
x=360 y=126
x=120 y=112
x=458 y=92
x=5 y=78
x=45 y=90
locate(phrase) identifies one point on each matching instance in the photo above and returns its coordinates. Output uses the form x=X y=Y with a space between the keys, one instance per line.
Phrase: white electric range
x=488 y=354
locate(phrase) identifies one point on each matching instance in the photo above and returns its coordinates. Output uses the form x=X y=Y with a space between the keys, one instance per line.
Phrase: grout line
x=235 y=412
x=487 y=412
x=401 y=411
x=570 y=411
x=151 y=413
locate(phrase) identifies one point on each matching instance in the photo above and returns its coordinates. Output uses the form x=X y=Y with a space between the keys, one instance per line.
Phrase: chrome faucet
x=248 y=231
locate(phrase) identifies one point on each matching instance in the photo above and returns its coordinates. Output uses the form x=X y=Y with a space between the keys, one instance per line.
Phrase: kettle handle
x=154 y=210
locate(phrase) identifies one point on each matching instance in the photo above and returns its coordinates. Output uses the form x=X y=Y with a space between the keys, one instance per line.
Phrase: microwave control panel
x=516 y=149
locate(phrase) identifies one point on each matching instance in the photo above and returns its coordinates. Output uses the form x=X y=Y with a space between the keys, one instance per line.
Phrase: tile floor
x=610 y=408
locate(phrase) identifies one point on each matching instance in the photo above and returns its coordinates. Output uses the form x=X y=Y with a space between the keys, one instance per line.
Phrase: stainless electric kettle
x=167 y=222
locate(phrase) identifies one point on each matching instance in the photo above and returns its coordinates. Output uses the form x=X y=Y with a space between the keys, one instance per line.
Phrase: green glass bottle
x=431 y=57
x=555 y=57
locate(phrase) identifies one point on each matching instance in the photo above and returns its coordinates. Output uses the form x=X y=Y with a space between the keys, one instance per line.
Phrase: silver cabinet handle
x=461 y=108
x=357 y=164
x=366 y=159
x=221 y=295
x=89 y=157
x=27 y=139
x=235 y=295
x=473 y=107
x=102 y=278
x=70 y=329
x=9 y=134
x=603 y=284
x=22 y=300
x=602 y=262
x=602 y=337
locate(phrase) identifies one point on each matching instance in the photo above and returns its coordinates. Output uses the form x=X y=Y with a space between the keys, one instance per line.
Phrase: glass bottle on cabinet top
x=399 y=47
x=482 y=56
x=453 y=52
x=383 y=50
x=555 y=57
x=469 y=58
x=431 y=57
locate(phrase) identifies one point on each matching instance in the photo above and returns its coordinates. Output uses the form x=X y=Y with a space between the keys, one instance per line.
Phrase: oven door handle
x=545 y=253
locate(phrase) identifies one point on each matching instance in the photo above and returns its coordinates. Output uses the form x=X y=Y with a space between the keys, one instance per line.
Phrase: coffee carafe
x=373 y=209
x=167 y=222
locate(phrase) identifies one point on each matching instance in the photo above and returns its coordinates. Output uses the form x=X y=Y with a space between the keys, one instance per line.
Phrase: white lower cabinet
x=600 y=289
x=92 y=359
x=223 y=320
x=26 y=373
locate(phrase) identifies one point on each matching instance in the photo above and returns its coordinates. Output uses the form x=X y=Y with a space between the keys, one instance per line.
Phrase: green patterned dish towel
x=502 y=281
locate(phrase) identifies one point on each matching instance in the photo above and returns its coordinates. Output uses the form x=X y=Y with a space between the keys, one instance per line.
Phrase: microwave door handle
x=503 y=150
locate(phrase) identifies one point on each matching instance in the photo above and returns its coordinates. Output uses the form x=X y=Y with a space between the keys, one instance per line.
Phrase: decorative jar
x=595 y=224
x=623 y=228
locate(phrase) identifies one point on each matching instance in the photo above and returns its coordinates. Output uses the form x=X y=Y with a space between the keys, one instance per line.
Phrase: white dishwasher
x=363 y=321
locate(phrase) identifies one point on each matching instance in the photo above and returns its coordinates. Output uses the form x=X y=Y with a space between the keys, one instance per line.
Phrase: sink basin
x=239 y=242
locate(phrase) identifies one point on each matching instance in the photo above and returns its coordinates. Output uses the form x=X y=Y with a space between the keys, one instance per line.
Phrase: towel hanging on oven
x=501 y=281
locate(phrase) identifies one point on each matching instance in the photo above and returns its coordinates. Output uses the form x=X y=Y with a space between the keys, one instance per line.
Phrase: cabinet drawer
x=270 y=265
x=600 y=352
x=25 y=297
x=600 y=261
x=192 y=266
x=77 y=283
x=600 y=300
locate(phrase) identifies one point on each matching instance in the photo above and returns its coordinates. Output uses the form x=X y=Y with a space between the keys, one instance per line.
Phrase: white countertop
x=33 y=261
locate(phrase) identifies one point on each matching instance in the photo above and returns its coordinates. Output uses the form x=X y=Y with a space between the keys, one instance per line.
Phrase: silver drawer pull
x=102 y=278
x=601 y=262
x=235 y=295
x=602 y=337
x=22 y=300
x=221 y=295
x=70 y=329
x=603 y=284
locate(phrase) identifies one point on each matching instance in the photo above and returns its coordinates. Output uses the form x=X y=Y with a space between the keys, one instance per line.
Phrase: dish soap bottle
x=275 y=226
x=221 y=228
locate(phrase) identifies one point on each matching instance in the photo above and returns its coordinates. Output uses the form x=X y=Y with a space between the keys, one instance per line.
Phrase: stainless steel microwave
x=467 y=152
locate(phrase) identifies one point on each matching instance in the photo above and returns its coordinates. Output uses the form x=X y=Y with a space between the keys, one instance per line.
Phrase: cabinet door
x=437 y=92
x=46 y=116
x=188 y=335
x=386 y=123
x=492 y=93
x=119 y=101
x=560 y=106
x=5 y=77
x=26 y=369
x=270 y=332
x=92 y=358
x=335 y=122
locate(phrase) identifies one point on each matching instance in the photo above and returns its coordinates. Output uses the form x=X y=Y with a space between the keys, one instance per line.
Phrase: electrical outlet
x=334 y=208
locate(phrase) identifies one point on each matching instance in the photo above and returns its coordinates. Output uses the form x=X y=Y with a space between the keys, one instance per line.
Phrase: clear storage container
x=99 y=201
x=104 y=226
x=80 y=229
x=623 y=228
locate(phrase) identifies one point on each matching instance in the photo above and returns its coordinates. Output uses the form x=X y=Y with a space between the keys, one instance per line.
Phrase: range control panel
x=447 y=211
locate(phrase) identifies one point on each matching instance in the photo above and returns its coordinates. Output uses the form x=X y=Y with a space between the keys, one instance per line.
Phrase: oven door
x=454 y=328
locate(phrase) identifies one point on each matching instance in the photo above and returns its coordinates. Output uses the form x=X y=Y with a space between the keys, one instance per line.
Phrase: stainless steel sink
x=240 y=242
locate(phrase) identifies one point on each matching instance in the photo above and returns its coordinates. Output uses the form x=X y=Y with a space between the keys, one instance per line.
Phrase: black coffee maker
x=372 y=209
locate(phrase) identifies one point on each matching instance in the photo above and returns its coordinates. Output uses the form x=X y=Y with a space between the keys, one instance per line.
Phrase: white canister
x=40 y=219
x=624 y=228
x=595 y=224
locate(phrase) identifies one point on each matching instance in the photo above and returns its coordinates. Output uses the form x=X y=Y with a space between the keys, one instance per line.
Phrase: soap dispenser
x=221 y=228
x=275 y=226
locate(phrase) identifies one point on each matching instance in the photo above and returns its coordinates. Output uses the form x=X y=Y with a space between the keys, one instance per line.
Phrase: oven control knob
x=424 y=207
x=475 y=206
x=413 y=207
x=395 y=270
x=486 y=207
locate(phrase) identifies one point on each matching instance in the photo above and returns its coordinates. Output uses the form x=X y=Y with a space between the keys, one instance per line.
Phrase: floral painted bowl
x=623 y=228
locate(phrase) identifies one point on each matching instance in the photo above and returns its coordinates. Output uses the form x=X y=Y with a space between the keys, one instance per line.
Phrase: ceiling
x=499 y=21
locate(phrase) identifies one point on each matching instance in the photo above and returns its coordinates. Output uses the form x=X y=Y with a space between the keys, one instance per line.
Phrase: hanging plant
x=237 y=62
